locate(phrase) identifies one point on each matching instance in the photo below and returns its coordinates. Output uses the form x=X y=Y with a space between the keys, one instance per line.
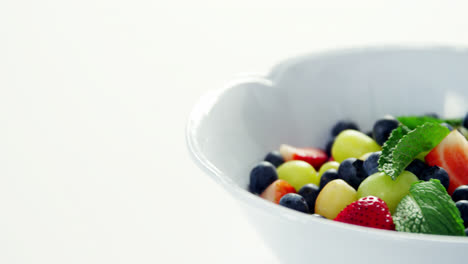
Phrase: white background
x=94 y=96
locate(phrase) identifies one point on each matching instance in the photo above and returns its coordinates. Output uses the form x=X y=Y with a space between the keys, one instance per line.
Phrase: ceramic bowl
x=297 y=103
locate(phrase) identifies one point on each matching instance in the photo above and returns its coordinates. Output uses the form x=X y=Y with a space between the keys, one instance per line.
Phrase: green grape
x=391 y=191
x=365 y=156
x=463 y=131
x=352 y=144
x=328 y=165
x=298 y=173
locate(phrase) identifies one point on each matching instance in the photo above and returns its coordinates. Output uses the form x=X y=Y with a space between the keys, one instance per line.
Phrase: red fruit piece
x=452 y=155
x=368 y=211
x=276 y=190
x=314 y=156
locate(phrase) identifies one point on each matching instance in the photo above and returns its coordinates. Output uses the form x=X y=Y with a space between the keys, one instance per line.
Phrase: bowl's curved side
x=203 y=127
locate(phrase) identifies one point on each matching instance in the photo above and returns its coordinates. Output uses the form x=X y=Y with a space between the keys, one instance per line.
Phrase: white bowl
x=232 y=129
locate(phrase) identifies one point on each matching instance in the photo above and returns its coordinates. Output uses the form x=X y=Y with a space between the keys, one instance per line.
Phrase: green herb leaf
x=386 y=158
x=428 y=209
x=414 y=121
x=403 y=146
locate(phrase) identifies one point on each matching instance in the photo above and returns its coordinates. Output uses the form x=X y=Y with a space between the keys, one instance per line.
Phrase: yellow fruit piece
x=352 y=144
x=298 y=173
x=326 y=166
x=333 y=198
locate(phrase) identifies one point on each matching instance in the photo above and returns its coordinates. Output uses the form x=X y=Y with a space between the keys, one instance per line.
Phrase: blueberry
x=294 y=201
x=261 y=176
x=447 y=126
x=343 y=125
x=417 y=167
x=370 y=134
x=460 y=193
x=371 y=164
x=383 y=128
x=351 y=170
x=327 y=177
x=309 y=192
x=462 y=206
x=465 y=121
x=438 y=173
x=466 y=231
x=274 y=158
x=329 y=145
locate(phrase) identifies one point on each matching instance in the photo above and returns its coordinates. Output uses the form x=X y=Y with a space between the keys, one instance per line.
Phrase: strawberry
x=314 y=156
x=368 y=211
x=452 y=155
x=276 y=190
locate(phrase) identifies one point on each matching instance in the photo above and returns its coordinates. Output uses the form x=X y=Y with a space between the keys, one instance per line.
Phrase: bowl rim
x=207 y=100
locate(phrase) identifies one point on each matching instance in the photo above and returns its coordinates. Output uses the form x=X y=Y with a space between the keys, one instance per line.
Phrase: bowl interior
x=232 y=129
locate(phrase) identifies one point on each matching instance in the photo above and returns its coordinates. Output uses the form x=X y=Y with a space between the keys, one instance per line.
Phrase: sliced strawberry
x=276 y=190
x=314 y=156
x=368 y=211
x=452 y=155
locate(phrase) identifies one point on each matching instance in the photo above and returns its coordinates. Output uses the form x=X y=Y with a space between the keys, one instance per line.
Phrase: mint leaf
x=428 y=209
x=386 y=158
x=414 y=121
x=403 y=146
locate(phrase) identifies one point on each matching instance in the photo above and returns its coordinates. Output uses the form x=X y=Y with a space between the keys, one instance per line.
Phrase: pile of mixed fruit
x=408 y=174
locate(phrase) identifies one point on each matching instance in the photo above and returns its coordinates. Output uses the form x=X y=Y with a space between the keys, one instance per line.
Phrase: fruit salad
x=409 y=174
